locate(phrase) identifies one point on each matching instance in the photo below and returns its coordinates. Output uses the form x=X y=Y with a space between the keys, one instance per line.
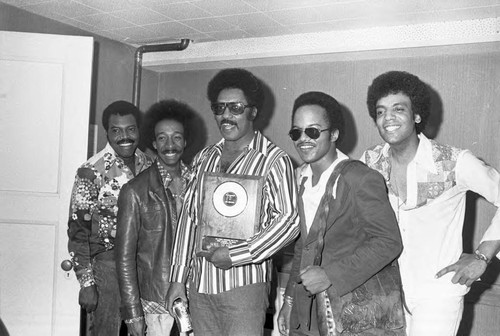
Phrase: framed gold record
x=230 y=199
x=230 y=209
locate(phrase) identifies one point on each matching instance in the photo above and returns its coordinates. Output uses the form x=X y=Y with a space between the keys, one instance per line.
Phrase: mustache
x=125 y=141
x=168 y=151
x=227 y=121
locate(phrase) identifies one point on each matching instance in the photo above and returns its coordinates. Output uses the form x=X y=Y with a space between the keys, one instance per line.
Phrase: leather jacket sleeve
x=128 y=225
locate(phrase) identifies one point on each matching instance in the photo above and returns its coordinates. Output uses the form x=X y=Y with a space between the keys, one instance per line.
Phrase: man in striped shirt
x=229 y=286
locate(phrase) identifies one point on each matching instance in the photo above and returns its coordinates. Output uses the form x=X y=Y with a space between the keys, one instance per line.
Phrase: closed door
x=44 y=115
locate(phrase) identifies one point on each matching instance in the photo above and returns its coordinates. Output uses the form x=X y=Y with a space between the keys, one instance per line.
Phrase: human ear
x=334 y=135
x=253 y=114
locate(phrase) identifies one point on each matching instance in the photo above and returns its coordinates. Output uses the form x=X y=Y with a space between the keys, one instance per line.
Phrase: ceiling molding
x=208 y=54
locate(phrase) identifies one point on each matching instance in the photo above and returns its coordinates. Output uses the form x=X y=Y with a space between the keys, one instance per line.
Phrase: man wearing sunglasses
x=229 y=286
x=345 y=213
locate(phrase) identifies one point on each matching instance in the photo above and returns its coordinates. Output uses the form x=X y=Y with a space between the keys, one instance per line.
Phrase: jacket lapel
x=302 y=223
x=329 y=206
x=155 y=182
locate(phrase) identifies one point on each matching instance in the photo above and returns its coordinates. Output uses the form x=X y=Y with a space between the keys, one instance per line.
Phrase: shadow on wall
x=3 y=329
x=348 y=143
x=266 y=114
x=489 y=277
x=467 y=242
x=436 y=114
x=198 y=138
x=93 y=100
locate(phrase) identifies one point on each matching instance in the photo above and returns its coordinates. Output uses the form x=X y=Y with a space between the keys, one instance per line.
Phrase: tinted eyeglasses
x=235 y=108
x=311 y=132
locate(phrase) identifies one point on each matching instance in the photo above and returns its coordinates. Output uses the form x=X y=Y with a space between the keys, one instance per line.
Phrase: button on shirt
x=312 y=195
x=278 y=219
x=431 y=219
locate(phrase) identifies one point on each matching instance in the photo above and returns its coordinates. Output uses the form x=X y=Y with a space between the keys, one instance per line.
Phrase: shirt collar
x=306 y=171
x=165 y=175
x=258 y=143
x=111 y=157
x=423 y=157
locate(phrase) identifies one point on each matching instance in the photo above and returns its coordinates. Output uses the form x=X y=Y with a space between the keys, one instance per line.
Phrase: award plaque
x=230 y=209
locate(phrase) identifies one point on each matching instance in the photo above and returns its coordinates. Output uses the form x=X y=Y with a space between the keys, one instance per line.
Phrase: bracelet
x=288 y=300
x=134 y=319
x=87 y=283
x=480 y=256
x=85 y=277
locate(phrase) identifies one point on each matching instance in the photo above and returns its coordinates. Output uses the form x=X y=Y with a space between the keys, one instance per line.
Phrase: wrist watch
x=480 y=256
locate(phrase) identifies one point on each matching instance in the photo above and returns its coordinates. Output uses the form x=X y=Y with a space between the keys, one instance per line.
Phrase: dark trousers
x=106 y=319
x=238 y=312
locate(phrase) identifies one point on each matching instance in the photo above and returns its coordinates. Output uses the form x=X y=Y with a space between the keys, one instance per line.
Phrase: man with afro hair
x=229 y=285
x=147 y=219
x=427 y=184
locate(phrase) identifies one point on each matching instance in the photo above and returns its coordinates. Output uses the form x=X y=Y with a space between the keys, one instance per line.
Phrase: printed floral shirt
x=431 y=218
x=93 y=208
x=186 y=175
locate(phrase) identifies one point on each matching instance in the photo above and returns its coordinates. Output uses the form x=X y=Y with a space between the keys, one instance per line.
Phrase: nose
x=303 y=136
x=130 y=134
x=169 y=142
x=227 y=113
x=388 y=115
x=122 y=134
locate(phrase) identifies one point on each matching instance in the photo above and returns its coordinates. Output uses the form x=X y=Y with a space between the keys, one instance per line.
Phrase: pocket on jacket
x=153 y=218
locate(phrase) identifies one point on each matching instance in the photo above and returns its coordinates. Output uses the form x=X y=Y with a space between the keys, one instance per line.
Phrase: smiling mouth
x=391 y=128
x=227 y=125
x=305 y=147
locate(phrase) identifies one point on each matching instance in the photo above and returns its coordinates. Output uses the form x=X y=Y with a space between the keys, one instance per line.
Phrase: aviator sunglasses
x=311 y=132
x=235 y=108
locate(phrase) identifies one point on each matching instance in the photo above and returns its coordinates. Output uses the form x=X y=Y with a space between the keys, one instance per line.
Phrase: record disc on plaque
x=230 y=199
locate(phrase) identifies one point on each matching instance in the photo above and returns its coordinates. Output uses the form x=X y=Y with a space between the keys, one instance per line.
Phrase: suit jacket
x=145 y=228
x=361 y=237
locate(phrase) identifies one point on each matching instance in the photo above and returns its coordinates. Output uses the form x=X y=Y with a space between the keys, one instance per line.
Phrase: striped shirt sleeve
x=185 y=234
x=279 y=219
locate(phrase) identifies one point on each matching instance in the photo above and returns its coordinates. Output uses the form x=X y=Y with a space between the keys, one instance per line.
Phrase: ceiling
x=138 y=22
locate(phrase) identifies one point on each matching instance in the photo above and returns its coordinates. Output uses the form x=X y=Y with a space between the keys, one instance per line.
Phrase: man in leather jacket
x=147 y=220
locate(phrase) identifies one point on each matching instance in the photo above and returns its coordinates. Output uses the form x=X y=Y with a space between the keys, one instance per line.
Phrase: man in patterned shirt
x=92 y=222
x=147 y=218
x=229 y=285
x=427 y=184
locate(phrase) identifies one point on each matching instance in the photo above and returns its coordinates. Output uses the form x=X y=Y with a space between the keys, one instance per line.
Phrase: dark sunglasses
x=311 y=132
x=235 y=108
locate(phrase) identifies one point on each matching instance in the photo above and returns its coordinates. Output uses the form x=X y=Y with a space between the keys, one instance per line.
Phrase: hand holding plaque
x=219 y=257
